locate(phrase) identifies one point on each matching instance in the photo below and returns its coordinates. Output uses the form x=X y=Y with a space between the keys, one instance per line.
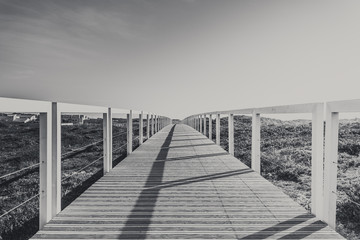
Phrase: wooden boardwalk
x=180 y=185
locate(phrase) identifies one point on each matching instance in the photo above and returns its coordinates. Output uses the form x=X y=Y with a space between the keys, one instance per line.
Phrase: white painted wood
x=110 y=138
x=77 y=108
x=231 y=133
x=296 y=108
x=200 y=124
x=141 y=128
x=344 y=106
x=110 y=129
x=106 y=150
x=218 y=129
x=155 y=124
x=56 y=159
x=330 y=170
x=317 y=161
x=119 y=111
x=147 y=126
x=255 y=146
x=205 y=124
x=152 y=125
x=235 y=111
x=159 y=123
x=210 y=126
x=129 y=133
x=45 y=190
x=21 y=105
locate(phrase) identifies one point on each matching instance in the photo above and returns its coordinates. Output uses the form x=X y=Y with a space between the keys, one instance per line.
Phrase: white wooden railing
x=323 y=164
x=50 y=142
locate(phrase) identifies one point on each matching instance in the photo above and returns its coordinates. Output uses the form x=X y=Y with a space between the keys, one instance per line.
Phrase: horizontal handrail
x=280 y=109
x=22 y=105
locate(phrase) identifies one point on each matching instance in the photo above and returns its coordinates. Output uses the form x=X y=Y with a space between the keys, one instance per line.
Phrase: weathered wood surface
x=180 y=185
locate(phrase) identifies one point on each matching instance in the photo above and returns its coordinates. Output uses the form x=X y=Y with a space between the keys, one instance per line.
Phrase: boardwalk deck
x=180 y=185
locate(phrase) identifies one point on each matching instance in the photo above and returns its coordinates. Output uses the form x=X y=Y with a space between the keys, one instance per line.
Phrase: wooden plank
x=180 y=185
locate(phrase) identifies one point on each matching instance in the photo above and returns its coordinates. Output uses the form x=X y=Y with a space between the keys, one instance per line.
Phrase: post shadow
x=196 y=156
x=285 y=225
x=157 y=169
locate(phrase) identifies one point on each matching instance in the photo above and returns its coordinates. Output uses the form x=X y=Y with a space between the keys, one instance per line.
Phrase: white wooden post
x=330 y=171
x=155 y=124
x=200 y=123
x=255 y=146
x=129 y=133
x=110 y=128
x=147 y=126
x=210 y=126
x=218 y=129
x=56 y=159
x=317 y=161
x=231 y=133
x=45 y=191
x=152 y=124
x=141 y=128
x=106 y=144
x=205 y=124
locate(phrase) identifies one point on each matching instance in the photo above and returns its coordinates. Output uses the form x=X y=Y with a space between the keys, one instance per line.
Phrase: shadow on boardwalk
x=153 y=185
x=158 y=168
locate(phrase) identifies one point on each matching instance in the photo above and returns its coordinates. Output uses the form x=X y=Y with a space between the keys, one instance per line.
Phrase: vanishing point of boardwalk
x=180 y=185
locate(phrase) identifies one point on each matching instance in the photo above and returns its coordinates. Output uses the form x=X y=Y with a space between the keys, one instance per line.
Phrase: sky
x=180 y=57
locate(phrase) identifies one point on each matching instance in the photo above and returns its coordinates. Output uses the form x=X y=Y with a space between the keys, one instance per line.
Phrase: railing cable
x=67 y=153
x=21 y=204
x=79 y=170
x=9 y=174
x=89 y=145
